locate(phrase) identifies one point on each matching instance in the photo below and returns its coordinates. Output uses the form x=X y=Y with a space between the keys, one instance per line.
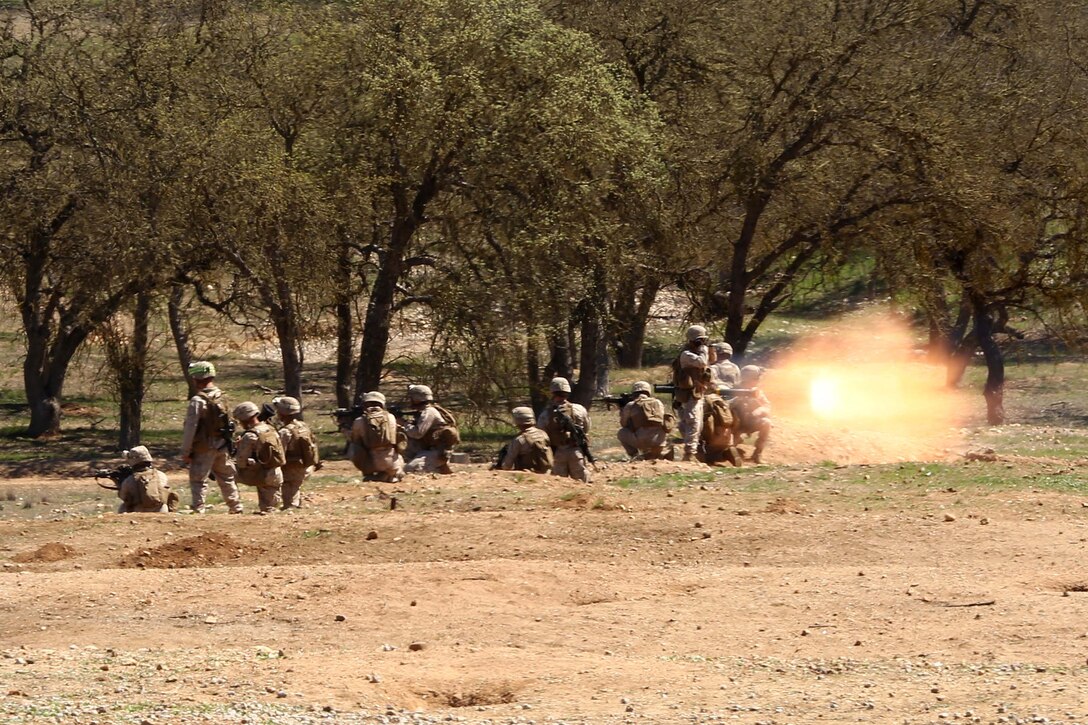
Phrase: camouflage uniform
x=207 y=448
x=424 y=454
x=568 y=459
x=531 y=450
x=752 y=413
x=252 y=470
x=143 y=477
x=691 y=379
x=640 y=436
x=724 y=373
x=296 y=438
x=380 y=463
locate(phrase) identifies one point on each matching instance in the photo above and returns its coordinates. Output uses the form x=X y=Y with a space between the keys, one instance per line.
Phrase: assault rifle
x=227 y=431
x=669 y=389
x=346 y=416
x=117 y=475
x=400 y=412
x=576 y=434
x=620 y=400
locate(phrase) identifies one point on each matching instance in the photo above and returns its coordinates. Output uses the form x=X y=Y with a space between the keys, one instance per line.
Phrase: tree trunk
x=561 y=363
x=582 y=392
x=345 y=340
x=538 y=388
x=631 y=338
x=994 y=389
x=44 y=372
x=737 y=280
x=132 y=375
x=179 y=330
x=391 y=267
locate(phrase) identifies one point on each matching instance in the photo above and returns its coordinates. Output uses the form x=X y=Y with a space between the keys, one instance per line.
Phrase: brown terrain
x=780 y=595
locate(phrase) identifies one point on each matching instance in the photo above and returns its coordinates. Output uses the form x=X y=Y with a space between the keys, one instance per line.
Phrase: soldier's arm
x=246 y=448
x=581 y=417
x=421 y=427
x=193 y=414
x=698 y=360
x=625 y=415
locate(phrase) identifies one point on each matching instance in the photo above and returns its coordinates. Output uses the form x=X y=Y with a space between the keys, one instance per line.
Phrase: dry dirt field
x=665 y=593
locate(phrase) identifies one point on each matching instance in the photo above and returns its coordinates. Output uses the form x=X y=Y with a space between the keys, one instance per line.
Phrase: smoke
x=858 y=392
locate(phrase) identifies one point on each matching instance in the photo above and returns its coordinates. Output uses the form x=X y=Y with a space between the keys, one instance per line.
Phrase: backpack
x=445 y=435
x=152 y=493
x=303 y=448
x=378 y=430
x=270 y=453
x=216 y=419
x=540 y=455
x=653 y=411
x=717 y=418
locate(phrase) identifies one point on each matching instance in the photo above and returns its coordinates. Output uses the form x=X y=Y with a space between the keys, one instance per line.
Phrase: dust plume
x=858 y=392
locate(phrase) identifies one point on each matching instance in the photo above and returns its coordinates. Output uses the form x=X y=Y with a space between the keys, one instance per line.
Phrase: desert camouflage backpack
x=153 y=493
x=379 y=431
x=302 y=448
x=717 y=418
x=445 y=435
x=270 y=453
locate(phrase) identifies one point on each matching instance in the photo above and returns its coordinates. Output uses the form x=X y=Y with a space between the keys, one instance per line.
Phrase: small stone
x=374 y=677
x=372 y=535
x=706 y=534
x=698 y=524
x=984 y=521
x=340 y=618
x=949 y=518
x=804 y=632
x=388 y=648
x=416 y=647
x=211 y=620
x=526 y=706
x=630 y=708
x=412 y=603
x=281 y=693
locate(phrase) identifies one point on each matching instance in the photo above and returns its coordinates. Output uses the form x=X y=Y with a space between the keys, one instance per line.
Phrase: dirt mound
x=196 y=551
x=46 y=553
x=784 y=506
x=481 y=695
x=585 y=501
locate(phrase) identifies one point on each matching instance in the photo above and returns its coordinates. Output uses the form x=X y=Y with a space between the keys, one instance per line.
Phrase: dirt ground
x=660 y=593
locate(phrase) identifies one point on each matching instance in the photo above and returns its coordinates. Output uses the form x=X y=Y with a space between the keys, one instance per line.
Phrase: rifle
x=400 y=412
x=117 y=475
x=227 y=432
x=727 y=393
x=346 y=416
x=498 y=461
x=569 y=427
x=620 y=400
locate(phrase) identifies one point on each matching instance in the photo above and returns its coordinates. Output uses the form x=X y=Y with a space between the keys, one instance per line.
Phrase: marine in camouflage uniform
x=752 y=413
x=146 y=489
x=299 y=448
x=204 y=446
x=376 y=462
x=429 y=448
x=259 y=457
x=568 y=459
x=530 y=450
x=691 y=378
x=724 y=373
x=644 y=433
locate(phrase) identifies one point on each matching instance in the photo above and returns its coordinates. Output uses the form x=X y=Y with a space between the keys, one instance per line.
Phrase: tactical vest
x=445 y=435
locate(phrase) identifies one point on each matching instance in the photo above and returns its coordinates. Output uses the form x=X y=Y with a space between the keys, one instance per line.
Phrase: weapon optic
x=117 y=475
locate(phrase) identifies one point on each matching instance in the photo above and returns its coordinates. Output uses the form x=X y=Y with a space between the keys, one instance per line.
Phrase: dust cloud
x=859 y=392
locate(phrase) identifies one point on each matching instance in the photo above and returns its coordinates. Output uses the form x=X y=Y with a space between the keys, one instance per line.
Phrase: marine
x=645 y=425
x=752 y=413
x=531 y=449
x=567 y=456
x=691 y=378
x=260 y=456
x=299 y=447
x=724 y=373
x=206 y=441
x=431 y=435
x=377 y=441
x=146 y=489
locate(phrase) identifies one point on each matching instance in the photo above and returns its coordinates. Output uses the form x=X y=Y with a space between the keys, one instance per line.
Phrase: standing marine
x=691 y=379
x=724 y=373
x=207 y=443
